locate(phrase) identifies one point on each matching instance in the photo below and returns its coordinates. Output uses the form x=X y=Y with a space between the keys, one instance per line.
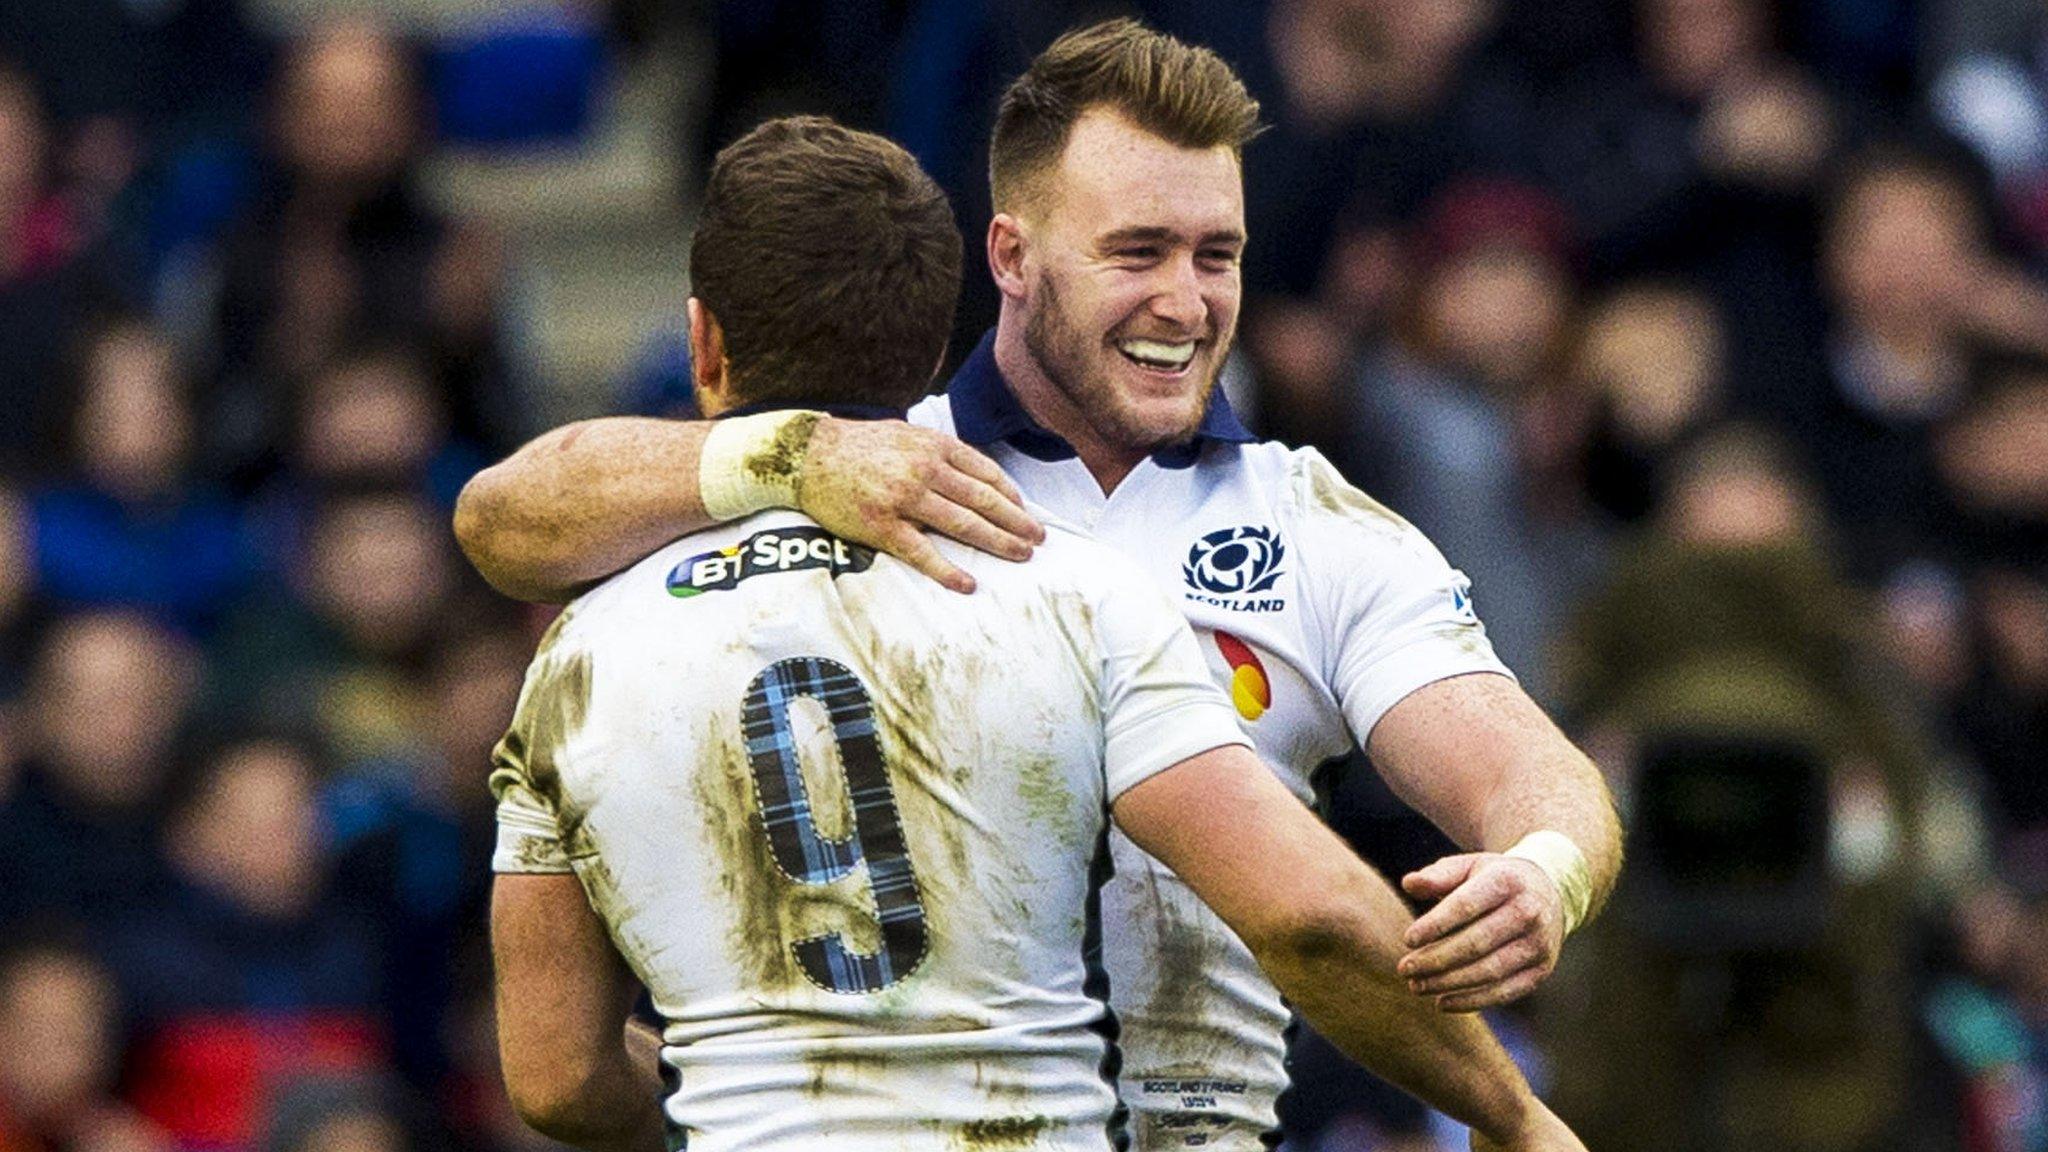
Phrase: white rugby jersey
x=846 y=826
x=1318 y=609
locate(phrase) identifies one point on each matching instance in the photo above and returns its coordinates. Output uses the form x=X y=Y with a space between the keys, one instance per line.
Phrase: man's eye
x=1220 y=256
x=1138 y=253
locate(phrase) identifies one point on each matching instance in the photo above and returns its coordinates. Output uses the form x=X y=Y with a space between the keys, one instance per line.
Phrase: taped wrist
x=1562 y=861
x=750 y=463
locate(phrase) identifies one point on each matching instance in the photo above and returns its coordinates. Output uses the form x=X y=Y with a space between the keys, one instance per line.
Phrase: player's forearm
x=1340 y=976
x=1560 y=790
x=615 y=1108
x=581 y=502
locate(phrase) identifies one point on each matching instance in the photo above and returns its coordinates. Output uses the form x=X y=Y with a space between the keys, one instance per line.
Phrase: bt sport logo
x=1229 y=566
x=782 y=550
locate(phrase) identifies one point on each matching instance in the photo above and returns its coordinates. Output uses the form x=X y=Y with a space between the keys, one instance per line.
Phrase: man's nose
x=1179 y=296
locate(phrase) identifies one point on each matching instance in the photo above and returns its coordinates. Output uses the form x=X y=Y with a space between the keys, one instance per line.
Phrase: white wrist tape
x=749 y=463
x=1562 y=861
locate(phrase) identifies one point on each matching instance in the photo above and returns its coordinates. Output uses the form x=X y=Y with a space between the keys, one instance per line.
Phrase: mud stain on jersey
x=1051 y=806
x=1002 y=1132
x=608 y=900
x=553 y=708
x=829 y=1072
x=1330 y=492
x=770 y=911
x=1186 y=953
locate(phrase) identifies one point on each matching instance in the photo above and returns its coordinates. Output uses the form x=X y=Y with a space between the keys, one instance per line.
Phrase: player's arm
x=1458 y=739
x=585 y=500
x=1482 y=761
x=1327 y=930
x=576 y=1070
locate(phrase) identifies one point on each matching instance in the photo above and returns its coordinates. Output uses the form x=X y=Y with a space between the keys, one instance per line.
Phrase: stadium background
x=1709 y=336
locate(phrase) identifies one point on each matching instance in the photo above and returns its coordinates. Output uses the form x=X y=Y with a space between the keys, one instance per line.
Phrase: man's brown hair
x=1183 y=94
x=831 y=262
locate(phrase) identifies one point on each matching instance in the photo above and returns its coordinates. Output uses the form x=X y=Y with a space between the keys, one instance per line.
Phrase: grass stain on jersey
x=829 y=1071
x=553 y=706
x=747 y=876
x=1178 y=1016
x=770 y=910
x=1003 y=1132
x=1328 y=490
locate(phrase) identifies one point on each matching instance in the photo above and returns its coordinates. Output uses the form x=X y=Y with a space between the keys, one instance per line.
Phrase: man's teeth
x=1156 y=354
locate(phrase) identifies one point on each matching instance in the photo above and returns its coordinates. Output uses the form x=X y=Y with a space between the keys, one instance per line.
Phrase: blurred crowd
x=1710 y=337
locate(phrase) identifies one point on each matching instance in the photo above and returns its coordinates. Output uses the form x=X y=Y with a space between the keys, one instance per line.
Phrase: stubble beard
x=1071 y=360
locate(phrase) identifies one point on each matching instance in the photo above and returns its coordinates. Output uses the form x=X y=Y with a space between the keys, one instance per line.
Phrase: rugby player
x=1115 y=245
x=846 y=827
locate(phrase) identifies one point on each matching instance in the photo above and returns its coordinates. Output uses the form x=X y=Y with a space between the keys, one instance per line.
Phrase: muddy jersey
x=848 y=827
x=1317 y=610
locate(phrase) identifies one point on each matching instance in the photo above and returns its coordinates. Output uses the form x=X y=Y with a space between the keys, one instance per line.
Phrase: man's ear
x=1008 y=250
x=707 y=358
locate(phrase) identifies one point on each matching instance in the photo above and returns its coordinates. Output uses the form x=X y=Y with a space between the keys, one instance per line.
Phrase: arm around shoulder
x=581 y=502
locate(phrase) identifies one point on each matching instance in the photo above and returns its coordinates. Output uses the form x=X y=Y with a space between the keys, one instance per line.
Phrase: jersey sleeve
x=526 y=764
x=1160 y=704
x=1391 y=612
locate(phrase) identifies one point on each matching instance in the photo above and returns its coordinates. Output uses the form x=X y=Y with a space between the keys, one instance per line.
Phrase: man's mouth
x=1158 y=356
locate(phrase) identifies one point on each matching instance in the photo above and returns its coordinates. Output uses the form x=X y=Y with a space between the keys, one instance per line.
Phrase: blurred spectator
x=37 y=232
x=373 y=417
x=368 y=419
x=1370 y=112
x=1648 y=373
x=1436 y=417
x=132 y=66
x=333 y=653
x=343 y=1114
x=1915 y=292
x=415 y=853
x=1993 y=459
x=1989 y=1019
x=1787 y=823
x=343 y=244
x=59 y=1012
x=243 y=976
x=17 y=588
x=77 y=832
x=2001 y=714
x=125 y=525
x=42 y=288
x=1992 y=91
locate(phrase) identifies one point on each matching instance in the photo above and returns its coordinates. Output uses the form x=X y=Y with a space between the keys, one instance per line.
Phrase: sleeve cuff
x=1417 y=664
x=1138 y=751
x=528 y=841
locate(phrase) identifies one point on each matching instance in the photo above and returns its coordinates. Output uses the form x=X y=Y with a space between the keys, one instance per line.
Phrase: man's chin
x=1146 y=428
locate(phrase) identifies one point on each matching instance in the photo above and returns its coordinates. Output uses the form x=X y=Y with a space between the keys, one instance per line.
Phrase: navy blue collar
x=843 y=411
x=986 y=411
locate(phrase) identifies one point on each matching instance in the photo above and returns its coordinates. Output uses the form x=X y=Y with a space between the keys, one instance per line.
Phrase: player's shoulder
x=1070 y=559
x=934 y=412
x=677 y=572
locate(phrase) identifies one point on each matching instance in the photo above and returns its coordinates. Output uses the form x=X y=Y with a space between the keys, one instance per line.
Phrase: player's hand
x=882 y=483
x=1543 y=1132
x=1494 y=935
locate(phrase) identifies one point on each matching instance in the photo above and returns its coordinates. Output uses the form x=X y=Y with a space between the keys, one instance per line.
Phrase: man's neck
x=1053 y=410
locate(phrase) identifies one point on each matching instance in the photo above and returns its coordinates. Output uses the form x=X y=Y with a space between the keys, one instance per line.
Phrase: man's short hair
x=1183 y=94
x=832 y=263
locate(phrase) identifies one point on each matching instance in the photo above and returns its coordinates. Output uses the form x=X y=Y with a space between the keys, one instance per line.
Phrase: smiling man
x=1119 y=225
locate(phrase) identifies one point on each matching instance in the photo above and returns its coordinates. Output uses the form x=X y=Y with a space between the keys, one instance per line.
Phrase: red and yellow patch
x=1249 y=688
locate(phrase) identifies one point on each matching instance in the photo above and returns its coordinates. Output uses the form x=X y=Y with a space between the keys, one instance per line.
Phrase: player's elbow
x=517 y=562
x=1316 y=931
x=552 y=1100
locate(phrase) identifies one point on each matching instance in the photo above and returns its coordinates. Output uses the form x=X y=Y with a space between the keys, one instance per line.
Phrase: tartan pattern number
x=876 y=837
